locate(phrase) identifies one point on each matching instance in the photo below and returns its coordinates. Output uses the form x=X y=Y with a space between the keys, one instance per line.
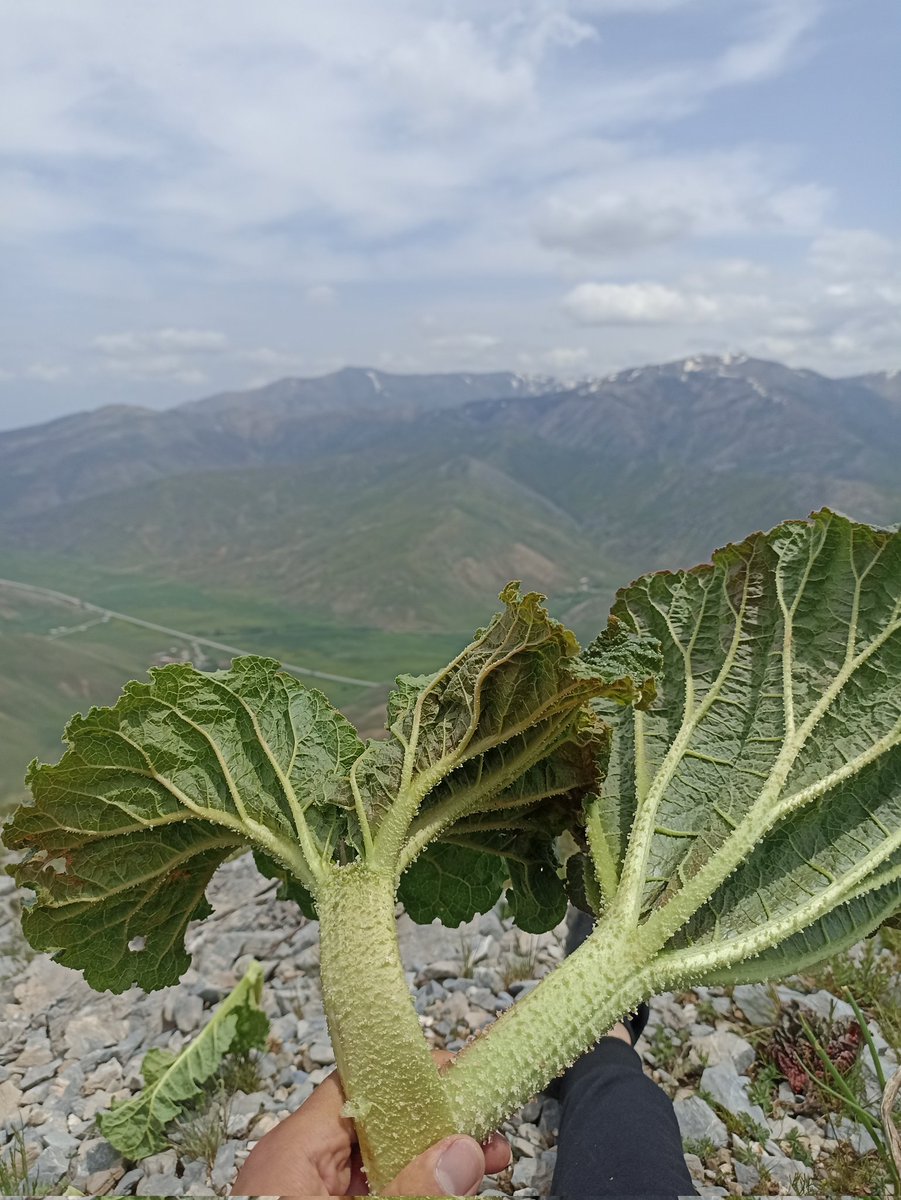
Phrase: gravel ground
x=68 y=1052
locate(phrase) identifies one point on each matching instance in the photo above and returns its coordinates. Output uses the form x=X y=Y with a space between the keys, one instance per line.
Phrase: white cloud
x=321 y=294
x=613 y=224
x=46 y=372
x=168 y=354
x=566 y=358
x=464 y=342
x=151 y=342
x=647 y=201
x=636 y=304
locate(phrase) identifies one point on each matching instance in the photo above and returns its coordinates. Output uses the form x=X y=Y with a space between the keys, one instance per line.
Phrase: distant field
x=44 y=679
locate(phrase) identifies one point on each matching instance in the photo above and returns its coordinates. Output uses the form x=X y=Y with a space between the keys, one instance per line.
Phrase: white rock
x=823 y=1003
x=730 y=1089
x=88 y=1031
x=757 y=1003
x=322 y=1054
x=722 y=1047
x=747 y=1175
x=37 y=1053
x=163 y=1163
x=10 y=1102
x=785 y=1170
x=697 y=1121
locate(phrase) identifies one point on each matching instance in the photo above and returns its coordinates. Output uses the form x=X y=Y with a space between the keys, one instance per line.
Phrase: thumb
x=452 y=1167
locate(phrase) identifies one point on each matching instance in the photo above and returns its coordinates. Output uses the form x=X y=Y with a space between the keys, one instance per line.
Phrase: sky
x=210 y=195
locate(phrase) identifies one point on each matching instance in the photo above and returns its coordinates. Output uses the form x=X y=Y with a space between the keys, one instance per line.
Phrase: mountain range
x=404 y=501
x=363 y=522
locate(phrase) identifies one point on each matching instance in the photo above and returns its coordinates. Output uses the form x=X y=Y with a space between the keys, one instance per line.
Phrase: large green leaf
x=137 y=1127
x=521 y=685
x=154 y=793
x=763 y=787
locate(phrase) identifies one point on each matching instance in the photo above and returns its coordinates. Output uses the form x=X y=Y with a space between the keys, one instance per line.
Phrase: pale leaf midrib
x=862 y=878
x=766 y=811
x=281 y=850
x=304 y=836
x=638 y=850
x=429 y=825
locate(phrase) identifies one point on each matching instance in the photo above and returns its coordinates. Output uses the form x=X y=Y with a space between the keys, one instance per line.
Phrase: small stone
x=695 y=1166
x=264 y=1124
x=188 y=1013
x=163 y=1163
x=698 y=1121
x=45 y=982
x=107 y=1077
x=722 y=1005
x=523 y=1146
x=104 y=1181
x=87 y=1032
x=50 y=1166
x=193 y=1172
x=783 y=1127
x=525 y=1172
x=10 y=1102
x=161 y=1185
x=36 y=1053
x=40 y=1074
x=521 y=987
x=730 y=1089
x=299 y=1093
x=322 y=1054
x=722 y=1047
x=442 y=969
x=532 y=1111
x=746 y=1175
x=223 y=1171
x=823 y=1003
x=96 y=1154
x=59 y=1139
x=248 y=1102
x=856 y=1134
x=757 y=1003
x=488 y=977
x=130 y=1180
x=785 y=1170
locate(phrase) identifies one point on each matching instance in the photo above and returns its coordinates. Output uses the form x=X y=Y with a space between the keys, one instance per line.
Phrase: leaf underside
x=774 y=743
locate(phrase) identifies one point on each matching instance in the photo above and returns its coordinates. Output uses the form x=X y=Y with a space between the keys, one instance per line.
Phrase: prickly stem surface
x=395 y=1094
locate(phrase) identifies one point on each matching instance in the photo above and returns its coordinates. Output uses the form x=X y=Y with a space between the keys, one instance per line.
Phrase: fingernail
x=460 y=1167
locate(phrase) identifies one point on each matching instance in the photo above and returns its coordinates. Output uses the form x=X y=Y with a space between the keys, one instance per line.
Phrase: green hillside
x=360 y=526
x=381 y=544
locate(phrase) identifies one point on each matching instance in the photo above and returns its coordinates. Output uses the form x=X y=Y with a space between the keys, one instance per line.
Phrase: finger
x=454 y=1166
x=308 y=1152
x=497 y=1153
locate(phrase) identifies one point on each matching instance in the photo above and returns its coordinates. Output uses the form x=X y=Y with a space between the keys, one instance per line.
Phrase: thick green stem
x=548 y=1029
x=394 y=1091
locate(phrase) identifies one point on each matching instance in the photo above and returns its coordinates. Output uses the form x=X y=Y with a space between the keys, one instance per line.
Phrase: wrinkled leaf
x=154 y=793
x=137 y=1128
x=521 y=685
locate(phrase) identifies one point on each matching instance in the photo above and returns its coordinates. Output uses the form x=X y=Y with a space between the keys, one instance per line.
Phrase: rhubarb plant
x=717 y=777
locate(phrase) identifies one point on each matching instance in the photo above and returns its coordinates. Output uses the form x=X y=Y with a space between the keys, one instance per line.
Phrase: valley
x=362 y=524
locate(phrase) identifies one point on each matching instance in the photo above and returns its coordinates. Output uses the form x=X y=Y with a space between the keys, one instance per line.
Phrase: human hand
x=314 y=1152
